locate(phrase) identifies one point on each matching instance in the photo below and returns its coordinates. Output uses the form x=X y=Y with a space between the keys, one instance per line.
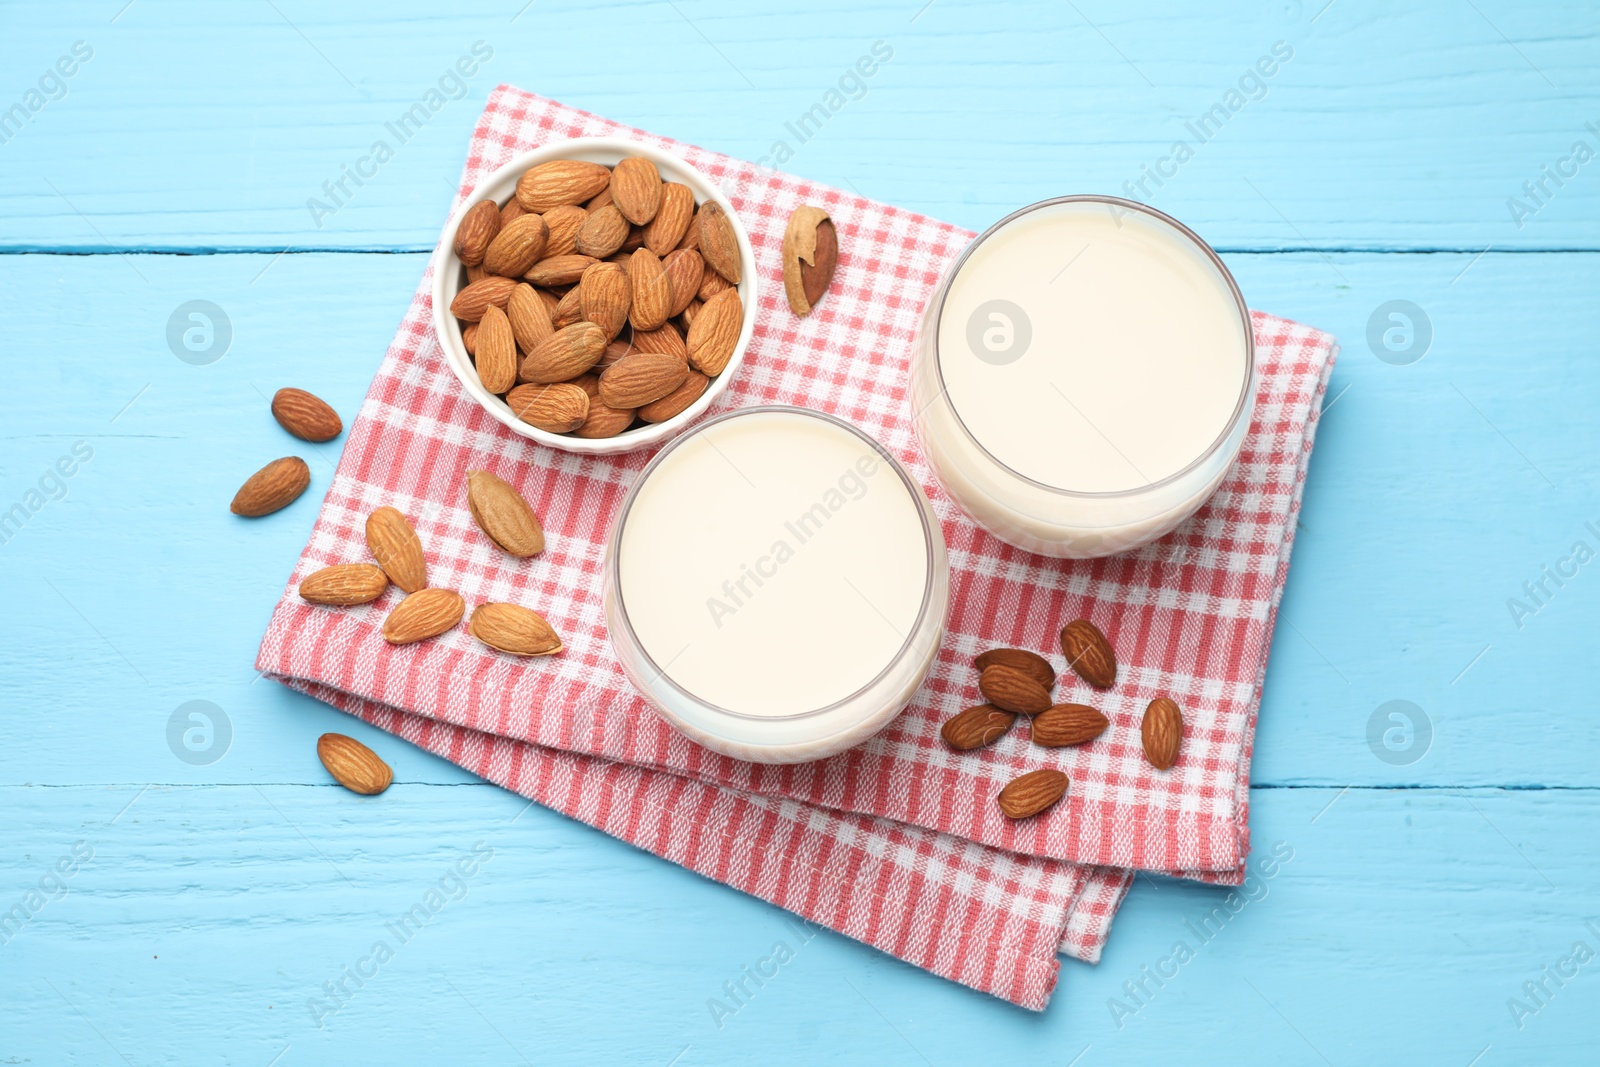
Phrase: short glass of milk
x=776 y=584
x=1084 y=376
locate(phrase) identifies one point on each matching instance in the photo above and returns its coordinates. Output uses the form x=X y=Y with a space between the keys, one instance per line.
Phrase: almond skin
x=977 y=726
x=1089 y=653
x=496 y=357
x=553 y=408
x=559 y=182
x=275 y=486
x=1068 y=724
x=305 y=415
x=1162 y=732
x=717 y=243
x=393 y=542
x=559 y=270
x=640 y=378
x=1013 y=690
x=636 y=189
x=471 y=302
x=565 y=354
x=517 y=247
x=530 y=318
x=424 y=614
x=354 y=765
x=810 y=254
x=503 y=514
x=514 y=629
x=344 y=585
x=715 y=332
x=605 y=297
x=676 y=402
x=652 y=291
x=1031 y=793
x=564 y=224
x=478 y=227
x=1030 y=663
x=685 y=271
x=602 y=233
x=672 y=219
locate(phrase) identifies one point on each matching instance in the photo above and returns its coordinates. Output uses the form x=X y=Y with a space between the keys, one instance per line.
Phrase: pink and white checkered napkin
x=897 y=842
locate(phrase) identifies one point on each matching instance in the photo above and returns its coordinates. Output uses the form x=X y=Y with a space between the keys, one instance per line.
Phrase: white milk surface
x=1124 y=365
x=773 y=564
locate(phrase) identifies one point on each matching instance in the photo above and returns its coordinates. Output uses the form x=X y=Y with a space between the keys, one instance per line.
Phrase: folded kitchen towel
x=901 y=820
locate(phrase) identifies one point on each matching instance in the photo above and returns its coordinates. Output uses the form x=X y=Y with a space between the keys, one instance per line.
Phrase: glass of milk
x=776 y=584
x=1084 y=376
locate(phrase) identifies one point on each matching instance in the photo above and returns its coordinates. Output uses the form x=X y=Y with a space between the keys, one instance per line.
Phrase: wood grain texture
x=1421 y=894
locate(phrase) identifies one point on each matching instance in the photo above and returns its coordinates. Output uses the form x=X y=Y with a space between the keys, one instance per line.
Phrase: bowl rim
x=446 y=269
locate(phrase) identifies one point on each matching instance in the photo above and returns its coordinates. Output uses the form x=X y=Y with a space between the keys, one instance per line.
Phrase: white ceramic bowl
x=449 y=276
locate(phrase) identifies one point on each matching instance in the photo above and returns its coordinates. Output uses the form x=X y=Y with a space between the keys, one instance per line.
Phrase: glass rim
x=1246 y=388
x=613 y=564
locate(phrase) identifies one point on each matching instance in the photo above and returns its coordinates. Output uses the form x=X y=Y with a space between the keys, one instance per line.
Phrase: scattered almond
x=514 y=629
x=977 y=726
x=1089 y=653
x=503 y=514
x=1031 y=793
x=1030 y=663
x=423 y=614
x=393 y=542
x=1162 y=732
x=354 y=765
x=1068 y=724
x=344 y=585
x=810 y=255
x=1013 y=690
x=305 y=415
x=275 y=486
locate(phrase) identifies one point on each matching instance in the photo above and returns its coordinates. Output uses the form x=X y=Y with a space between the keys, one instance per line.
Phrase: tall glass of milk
x=1084 y=376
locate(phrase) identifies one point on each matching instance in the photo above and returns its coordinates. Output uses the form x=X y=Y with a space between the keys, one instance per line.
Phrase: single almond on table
x=503 y=514
x=810 y=255
x=530 y=318
x=977 y=726
x=602 y=233
x=565 y=354
x=636 y=189
x=517 y=247
x=393 y=542
x=665 y=338
x=559 y=182
x=1031 y=793
x=685 y=271
x=676 y=402
x=471 y=302
x=1162 y=732
x=563 y=223
x=514 y=629
x=275 y=486
x=715 y=332
x=605 y=297
x=718 y=244
x=1030 y=663
x=354 y=765
x=672 y=219
x=496 y=358
x=1013 y=690
x=344 y=585
x=559 y=270
x=652 y=291
x=553 y=408
x=306 y=415
x=423 y=614
x=478 y=227
x=640 y=378
x=1089 y=653
x=1068 y=724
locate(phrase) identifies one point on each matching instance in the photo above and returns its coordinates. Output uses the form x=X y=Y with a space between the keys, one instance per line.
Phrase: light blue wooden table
x=1419 y=152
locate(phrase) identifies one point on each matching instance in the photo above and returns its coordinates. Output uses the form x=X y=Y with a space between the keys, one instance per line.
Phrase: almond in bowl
x=596 y=295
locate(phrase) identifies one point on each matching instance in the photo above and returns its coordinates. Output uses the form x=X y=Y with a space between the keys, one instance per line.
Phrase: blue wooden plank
x=1390 y=126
